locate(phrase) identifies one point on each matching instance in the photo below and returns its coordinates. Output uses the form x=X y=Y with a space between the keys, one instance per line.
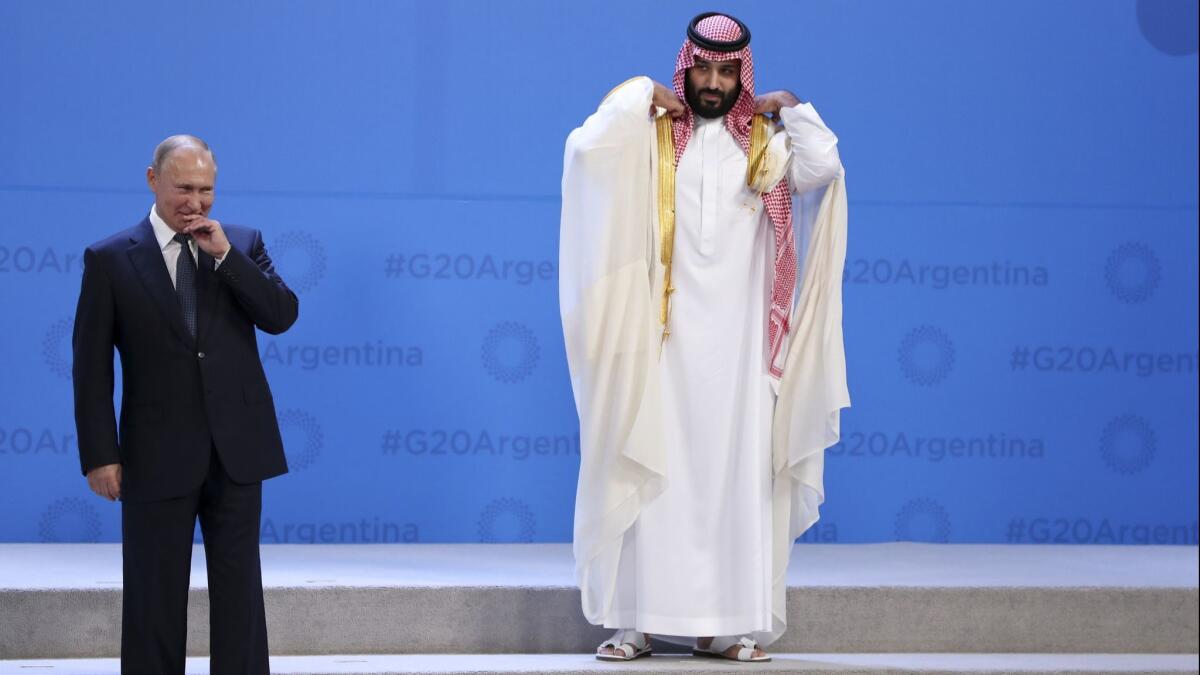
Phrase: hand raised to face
x=209 y=235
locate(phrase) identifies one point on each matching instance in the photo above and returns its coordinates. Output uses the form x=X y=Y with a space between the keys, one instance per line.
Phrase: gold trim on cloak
x=756 y=166
x=756 y=163
x=666 y=214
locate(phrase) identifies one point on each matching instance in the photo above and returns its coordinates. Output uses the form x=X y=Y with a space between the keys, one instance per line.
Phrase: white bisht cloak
x=609 y=294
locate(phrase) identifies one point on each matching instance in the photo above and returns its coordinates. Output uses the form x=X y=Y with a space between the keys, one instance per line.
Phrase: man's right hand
x=666 y=99
x=106 y=481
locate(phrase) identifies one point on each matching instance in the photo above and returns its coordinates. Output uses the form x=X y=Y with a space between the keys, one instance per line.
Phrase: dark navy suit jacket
x=181 y=396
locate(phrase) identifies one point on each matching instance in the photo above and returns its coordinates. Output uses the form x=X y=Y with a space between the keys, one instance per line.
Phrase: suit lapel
x=147 y=259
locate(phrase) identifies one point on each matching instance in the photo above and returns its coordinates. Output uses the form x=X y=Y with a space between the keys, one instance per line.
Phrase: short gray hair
x=172 y=143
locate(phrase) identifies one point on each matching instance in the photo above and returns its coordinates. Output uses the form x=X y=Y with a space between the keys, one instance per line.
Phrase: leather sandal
x=719 y=645
x=627 y=645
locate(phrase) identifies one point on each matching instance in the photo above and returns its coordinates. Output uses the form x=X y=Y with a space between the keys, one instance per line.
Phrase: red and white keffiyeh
x=778 y=201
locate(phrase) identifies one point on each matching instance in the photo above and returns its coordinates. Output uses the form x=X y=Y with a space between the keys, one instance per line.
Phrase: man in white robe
x=708 y=375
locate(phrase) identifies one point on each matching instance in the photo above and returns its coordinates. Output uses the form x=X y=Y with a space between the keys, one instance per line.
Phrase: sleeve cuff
x=802 y=114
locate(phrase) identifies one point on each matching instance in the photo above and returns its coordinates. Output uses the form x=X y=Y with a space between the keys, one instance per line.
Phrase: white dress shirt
x=171 y=248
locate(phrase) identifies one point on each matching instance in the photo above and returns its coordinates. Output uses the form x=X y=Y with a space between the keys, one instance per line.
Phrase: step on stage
x=468 y=608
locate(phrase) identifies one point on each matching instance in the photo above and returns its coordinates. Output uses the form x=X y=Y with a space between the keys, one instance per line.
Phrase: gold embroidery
x=666 y=214
x=756 y=168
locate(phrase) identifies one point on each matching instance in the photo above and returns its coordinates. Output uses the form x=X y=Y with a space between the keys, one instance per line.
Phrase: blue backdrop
x=1020 y=287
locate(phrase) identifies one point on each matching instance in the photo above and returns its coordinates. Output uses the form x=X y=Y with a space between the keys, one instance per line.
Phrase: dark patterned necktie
x=185 y=281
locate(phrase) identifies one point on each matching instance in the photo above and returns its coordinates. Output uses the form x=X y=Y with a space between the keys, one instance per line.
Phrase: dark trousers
x=157 y=551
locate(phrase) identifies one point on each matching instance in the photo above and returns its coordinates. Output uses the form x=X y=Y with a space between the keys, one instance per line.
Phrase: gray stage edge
x=583 y=664
x=62 y=623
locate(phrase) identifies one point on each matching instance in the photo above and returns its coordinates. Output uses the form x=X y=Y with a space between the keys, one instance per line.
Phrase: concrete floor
x=843 y=664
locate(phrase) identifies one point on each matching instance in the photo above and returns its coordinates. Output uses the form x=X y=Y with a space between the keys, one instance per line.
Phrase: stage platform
x=867 y=608
x=581 y=664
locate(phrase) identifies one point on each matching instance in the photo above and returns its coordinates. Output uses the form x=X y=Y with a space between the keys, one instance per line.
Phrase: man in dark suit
x=180 y=296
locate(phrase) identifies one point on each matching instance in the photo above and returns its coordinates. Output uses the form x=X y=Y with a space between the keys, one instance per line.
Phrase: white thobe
x=694 y=479
x=697 y=561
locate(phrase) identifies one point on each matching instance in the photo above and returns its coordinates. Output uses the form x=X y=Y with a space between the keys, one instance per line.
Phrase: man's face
x=712 y=87
x=184 y=187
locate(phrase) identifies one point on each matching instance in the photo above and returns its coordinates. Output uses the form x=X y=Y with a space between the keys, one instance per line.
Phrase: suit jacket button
x=199 y=355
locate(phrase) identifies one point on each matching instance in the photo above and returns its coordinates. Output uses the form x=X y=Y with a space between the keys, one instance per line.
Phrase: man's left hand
x=209 y=236
x=771 y=103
